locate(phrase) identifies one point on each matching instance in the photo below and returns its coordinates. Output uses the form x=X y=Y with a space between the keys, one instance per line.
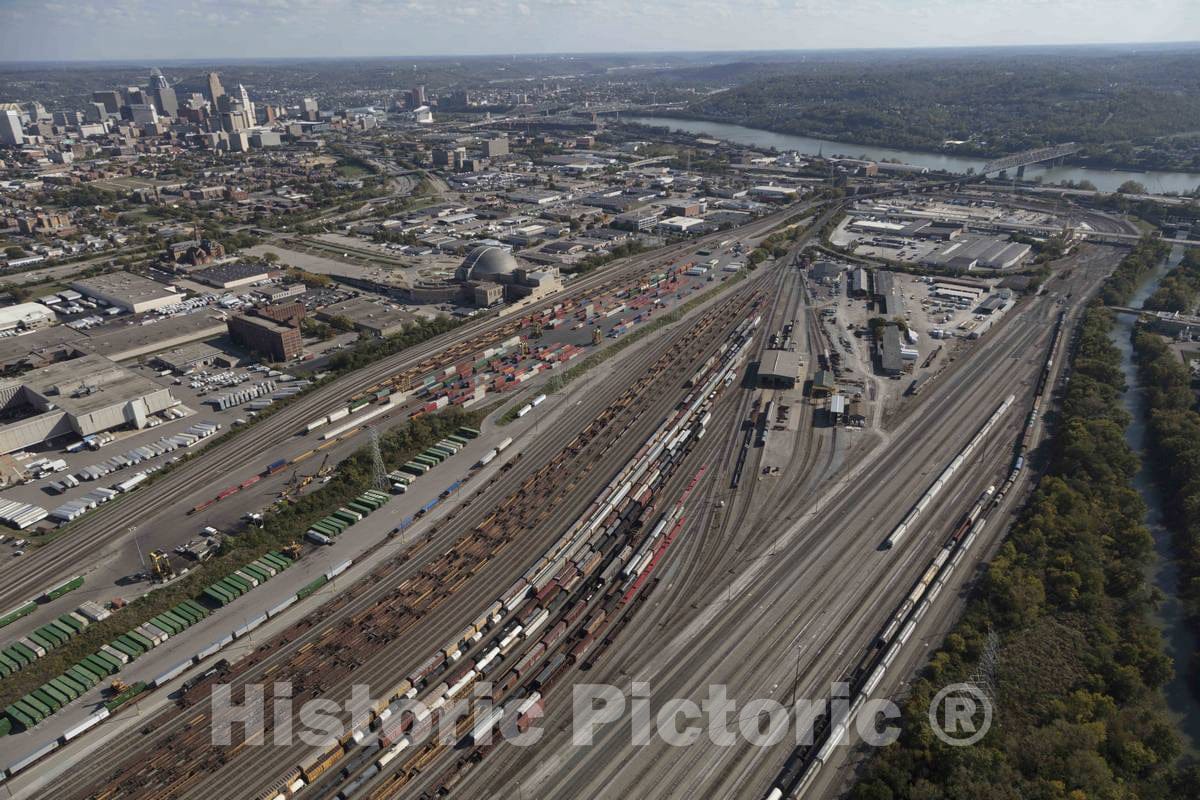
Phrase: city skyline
x=137 y=30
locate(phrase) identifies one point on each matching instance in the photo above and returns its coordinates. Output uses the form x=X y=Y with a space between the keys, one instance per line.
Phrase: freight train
x=606 y=553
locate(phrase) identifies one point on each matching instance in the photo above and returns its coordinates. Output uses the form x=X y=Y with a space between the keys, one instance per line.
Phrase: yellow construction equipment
x=118 y=686
x=596 y=336
x=160 y=565
x=292 y=551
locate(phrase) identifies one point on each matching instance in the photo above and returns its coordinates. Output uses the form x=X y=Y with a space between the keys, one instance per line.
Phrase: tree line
x=1078 y=712
x=1173 y=425
x=1179 y=290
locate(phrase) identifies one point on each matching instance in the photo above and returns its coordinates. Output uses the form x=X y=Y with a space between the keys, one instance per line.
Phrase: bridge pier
x=1021 y=172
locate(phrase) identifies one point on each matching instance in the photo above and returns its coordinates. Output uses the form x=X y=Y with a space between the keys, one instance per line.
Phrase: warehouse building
x=824 y=384
x=891 y=361
x=25 y=317
x=230 y=276
x=193 y=356
x=858 y=283
x=886 y=296
x=779 y=369
x=122 y=341
x=368 y=317
x=127 y=291
x=969 y=252
x=82 y=396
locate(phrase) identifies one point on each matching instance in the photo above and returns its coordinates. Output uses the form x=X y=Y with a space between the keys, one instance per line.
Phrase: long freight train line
x=21 y=578
x=139 y=786
x=502 y=498
x=359 y=677
x=806 y=762
x=588 y=641
x=859 y=602
x=816 y=545
x=678 y=436
x=586 y=648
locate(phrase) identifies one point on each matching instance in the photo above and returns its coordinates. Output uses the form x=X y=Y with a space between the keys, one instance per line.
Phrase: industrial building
x=779 y=369
x=891 y=361
x=192 y=356
x=885 y=294
x=25 y=316
x=824 y=384
x=82 y=396
x=969 y=252
x=858 y=283
x=368 y=317
x=127 y=291
x=266 y=337
x=826 y=272
x=230 y=276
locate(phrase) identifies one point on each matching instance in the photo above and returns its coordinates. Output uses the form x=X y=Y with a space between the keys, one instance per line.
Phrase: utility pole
x=133 y=532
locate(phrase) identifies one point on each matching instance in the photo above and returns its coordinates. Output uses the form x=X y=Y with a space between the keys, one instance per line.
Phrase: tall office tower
x=144 y=114
x=309 y=108
x=134 y=96
x=163 y=95
x=94 y=112
x=247 y=107
x=11 y=132
x=111 y=101
x=215 y=90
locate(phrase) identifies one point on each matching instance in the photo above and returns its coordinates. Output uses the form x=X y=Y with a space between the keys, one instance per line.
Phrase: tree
x=1131 y=187
x=14 y=252
x=270 y=257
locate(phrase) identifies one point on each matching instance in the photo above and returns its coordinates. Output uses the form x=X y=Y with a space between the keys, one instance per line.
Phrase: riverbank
x=1106 y=180
x=1165 y=432
x=1075 y=663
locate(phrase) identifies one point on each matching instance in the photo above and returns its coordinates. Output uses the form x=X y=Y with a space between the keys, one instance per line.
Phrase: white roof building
x=25 y=315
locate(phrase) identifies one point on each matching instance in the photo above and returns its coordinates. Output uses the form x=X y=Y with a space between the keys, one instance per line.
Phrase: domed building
x=487 y=263
x=490 y=274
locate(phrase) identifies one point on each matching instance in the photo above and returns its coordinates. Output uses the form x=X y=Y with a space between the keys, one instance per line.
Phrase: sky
x=54 y=30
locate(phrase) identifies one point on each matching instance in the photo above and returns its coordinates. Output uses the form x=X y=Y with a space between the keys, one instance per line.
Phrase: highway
x=160 y=506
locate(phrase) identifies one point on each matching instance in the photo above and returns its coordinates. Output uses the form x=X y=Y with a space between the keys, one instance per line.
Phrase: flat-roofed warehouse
x=230 y=276
x=84 y=395
x=372 y=318
x=967 y=252
x=126 y=290
x=779 y=369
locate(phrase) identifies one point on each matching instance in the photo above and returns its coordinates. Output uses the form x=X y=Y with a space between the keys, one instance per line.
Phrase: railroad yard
x=662 y=451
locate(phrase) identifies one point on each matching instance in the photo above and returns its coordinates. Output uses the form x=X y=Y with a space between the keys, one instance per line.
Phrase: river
x=1178 y=636
x=1102 y=179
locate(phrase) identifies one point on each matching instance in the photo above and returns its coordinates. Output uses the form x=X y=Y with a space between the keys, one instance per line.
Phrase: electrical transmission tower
x=984 y=676
x=379 y=477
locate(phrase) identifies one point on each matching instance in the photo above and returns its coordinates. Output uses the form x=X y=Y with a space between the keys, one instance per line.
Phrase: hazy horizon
x=190 y=30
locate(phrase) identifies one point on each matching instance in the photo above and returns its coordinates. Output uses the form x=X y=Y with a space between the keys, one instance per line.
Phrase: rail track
x=326 y=651
x=98 y=532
